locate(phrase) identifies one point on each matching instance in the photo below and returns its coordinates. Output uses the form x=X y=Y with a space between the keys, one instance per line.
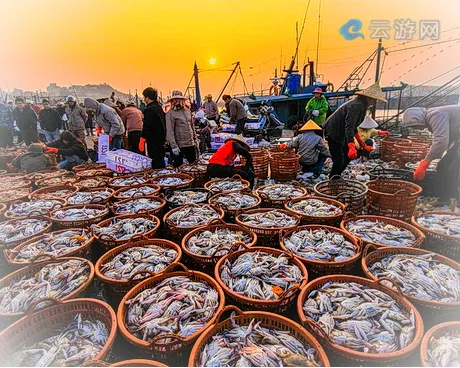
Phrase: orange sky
x=131 y=44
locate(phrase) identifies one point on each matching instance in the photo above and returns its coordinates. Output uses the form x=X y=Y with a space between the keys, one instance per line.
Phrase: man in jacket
x=77 y=118
x=71 y=148
x=153 y=129
x=212 y=112
x=341 y=128
x=107 y=120
x=236 y=112
x=317 y=107
x=444 y=123
x=50 y=121
x=26 y=121
x=6 y=126
x=33 y=160
x=132 y=118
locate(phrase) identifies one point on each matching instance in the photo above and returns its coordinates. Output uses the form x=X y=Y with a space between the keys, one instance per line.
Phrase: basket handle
x=229 y=249
x=367 y=249
x=217 y=221
x=227 y=308
x=38 y=213
x=181 y=265
x=336 y=177
x=315 y=328
x=107 y=237
x=264 y=196
x=93 y=200
x=237 y=176
x=95 y=363
x=165 y=336
x=150 y=274
x=8 y=254
x=349 y=215
x=401 y=192
x=32 y=306
x=289 y=292
x=379 y=282
x=37 y=257
x=377 y=167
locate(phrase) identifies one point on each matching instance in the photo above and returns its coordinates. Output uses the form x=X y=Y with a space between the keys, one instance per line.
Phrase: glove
x=420 y=172
x=142 y=145
x=360 y=140
x=110 y=139
x=176 y=151
x=368 y=148
x=98 y=130
x=383 y=132
x=52 y=150
x=283 y=146
x=315 y=112
x=352 y=153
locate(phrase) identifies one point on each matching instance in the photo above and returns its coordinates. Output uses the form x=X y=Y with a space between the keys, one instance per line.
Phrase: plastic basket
x=12 y=195
x=88 y=166
x=169 y=193
x=245 y=185
x=139 y=180
x=94 y=172
x=412 y=152
x=232 y=212
x=387 y=148
x=157 y=211
x=92 y=182
x=68 y=179
x=379 y=172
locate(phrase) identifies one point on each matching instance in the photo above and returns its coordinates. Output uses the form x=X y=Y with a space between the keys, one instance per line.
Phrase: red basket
x=387 y=148
x=92 y=182
x=235 y=178
x=412 y=152
x=97 y=199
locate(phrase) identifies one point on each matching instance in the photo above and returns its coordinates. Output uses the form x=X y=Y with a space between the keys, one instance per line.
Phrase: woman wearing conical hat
x=310 y=146
x=341 y=127
x=366 y=130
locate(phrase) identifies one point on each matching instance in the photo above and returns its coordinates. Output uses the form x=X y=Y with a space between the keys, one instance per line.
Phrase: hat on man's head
x=318 y=90
x=374 y=92
x=239 y=138
x=19 y=99
x=309 y=126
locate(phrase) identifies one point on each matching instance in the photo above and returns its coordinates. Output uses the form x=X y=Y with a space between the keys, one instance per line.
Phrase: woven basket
x=387 y=148
x=150 y=174
x=99 y=199
x=138 y=363
x=349 y=192
x=169 y=193
x=8 y=196
x=48 y=192
x=157 y=344
x=422 y=139
x=277 y=306
x=435 y=332
x=45 y=174
x=379 y=172
x=207 y=263
x=108 y=242
x=140 y=180
x=318 y=220
x=412 y=152
x=268 y=202
x=232 y=212
x=89 y=166
x=68 y=179
x=5 y=160
x=83 y=251
x=64 y=224
x=199 y=175
x=432 y=310
x=267 y=236
x=30 y=271
x=94 y=172
x=353 y=356
x=284 y=166
x=41 y=325
x=187 y=181
x=22 y=182
x=92 y=182
x=320 y=268
x=117 y=195
x=2 y=211
x=10 y=215
x=392 y=198
x=267 y=320
x=350 y=217
x=157 y=211
x=235 y=178
x=118 y=288
x=260 y=162
x=14 y=243
x=444 y=244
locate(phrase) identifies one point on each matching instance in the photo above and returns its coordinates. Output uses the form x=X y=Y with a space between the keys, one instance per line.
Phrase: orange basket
x=30 y=271
x=333 y=220
x=92 y=182
x=260 y=162
x=176 y=343
x=353 y=356
x=198 y=172
x=46 y=174
x=392 y=198
x=412 y=152
x=433 y=310
x=9 y=215
x=137 y=363
x=245 y=185
x=444 y=244
x=85 y=222
x=49 y=192
x=9 y=196
x=108 y=242
x=278 y=305
x=436 y=332
x=284 y=166
x=232 y=212
x=350 y=217
x=325 y=267
x=118 y=195
x=68 y=179
x=2 y=211
x=83 y=251
x=22 y=182
x=268 y=202
x=388 y=150
x=117 y=288
x=187 y=181
x=38 y=326
x=138 y=180
x=14 y=243
x=156 y=211
x=89 y=166
x=94 y=172
x=150 y=174
x=267 y=320
x=97 y=199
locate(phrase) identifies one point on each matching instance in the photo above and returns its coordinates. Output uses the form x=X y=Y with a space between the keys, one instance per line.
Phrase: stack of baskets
x=284 y=166
x=387 y=148
x=410 y=152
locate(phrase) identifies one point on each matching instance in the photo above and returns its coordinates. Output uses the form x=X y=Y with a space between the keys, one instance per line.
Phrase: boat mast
x=377 y=72
x=197 y=86
x=317 y=41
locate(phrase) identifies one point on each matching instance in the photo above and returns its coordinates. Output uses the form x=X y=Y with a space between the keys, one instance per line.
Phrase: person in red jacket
x=220 y=163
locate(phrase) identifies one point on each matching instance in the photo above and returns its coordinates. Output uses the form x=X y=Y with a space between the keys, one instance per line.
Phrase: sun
x=212 y=61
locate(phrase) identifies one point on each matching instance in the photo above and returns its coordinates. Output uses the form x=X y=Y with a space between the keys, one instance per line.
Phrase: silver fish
x=72 y=214
x=124 y=229
x=147 y=257
x=281 y=191
x=182 y=197
x=269 y=219
x=444 y=350
x=89 y=197
x=234 y=201
x=36 y=207
x=206 y=242
x=227 y=185
x=176 y=305
x=127 y=181
x=138 y=191
x=14 y=230
x=260 y=275
x=11 y=195
x=315 y=207
x=136 y=205
x=445 y=224
x=193 y=215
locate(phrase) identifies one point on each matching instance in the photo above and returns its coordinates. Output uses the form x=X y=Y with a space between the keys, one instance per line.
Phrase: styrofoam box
x=122 y=160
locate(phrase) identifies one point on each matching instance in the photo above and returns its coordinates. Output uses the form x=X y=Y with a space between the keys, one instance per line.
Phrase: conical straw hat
x=310 y=125
x=238 y=138
x=374 y=92
x=368 y=123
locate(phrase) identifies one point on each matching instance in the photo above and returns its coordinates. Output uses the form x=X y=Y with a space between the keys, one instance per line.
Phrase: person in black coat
x=26 y=120
x=6 y=126
x=50 y=122
x=153 y=131
x=71 y=148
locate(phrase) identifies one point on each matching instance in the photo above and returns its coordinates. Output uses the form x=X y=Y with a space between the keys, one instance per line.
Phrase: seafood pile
x=35 y=207
x=78 y=342
x=46 y=174
x=136 y=205
x=55 y=244
x=188 y=197
x=194 y=168
x=268 y=219
x=206 y=242
x=227 y=185
x=124 y=229
x=441 y=223
x=281 y=191
x=260 y=275
x=444 y=350
x=170 y=181
x=148 y=257
x=166 y=171
x=420 y=276
x=55 y=279
x=315 y=207
x=13 y=194
x=94 y=172
x=256 y=346
x=19 y=229
x=67 y=179
x=204 y=158
x=89 y=197
x=320 y=245
x=234 y=201
x=93 y=182
x=59 y=193
x=382 y=233
x=427 y=204
x=13 y=179
x=193 y=215
x=20 y=182
x=73 y=214
x=138 y=191
x=176 y=305
x=127 y=181
x=360 y=318
x=432 y=167
x=359 y=170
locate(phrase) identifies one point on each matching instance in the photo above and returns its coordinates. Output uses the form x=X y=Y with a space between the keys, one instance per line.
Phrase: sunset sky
x=136 y=43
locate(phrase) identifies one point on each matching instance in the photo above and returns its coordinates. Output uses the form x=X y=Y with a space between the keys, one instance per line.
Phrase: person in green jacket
x=317 y=107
